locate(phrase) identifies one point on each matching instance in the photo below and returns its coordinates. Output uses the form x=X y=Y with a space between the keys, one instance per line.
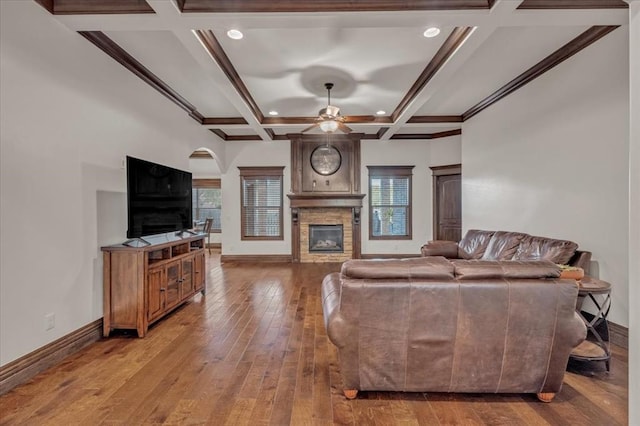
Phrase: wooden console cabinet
x=142 y=284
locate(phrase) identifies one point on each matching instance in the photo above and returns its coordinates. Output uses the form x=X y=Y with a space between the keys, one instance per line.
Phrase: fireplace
x=325 y=238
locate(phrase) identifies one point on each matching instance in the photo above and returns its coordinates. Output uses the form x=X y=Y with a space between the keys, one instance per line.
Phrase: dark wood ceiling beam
x=451 y=44
x=230 y=138
x=223 y=121
x=352 y=119
x=565 y=52
x=249 y=6
x=408 y=136
x=95 y=7
x=111 y=48
x=211 y=43
x=573 y=4
x=428 y=119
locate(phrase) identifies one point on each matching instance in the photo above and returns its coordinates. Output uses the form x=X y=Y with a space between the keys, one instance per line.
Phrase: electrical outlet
x=49 y=322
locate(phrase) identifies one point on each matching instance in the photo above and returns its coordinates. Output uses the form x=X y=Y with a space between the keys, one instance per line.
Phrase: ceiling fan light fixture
x=431 y=32
x=329 y=126
x=235 y=34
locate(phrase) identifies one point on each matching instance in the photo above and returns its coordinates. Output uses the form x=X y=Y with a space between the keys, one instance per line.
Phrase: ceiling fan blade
x=310 y=127
x=344 y=127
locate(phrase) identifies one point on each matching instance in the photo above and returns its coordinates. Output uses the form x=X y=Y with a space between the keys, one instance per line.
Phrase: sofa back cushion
x=433 y=267
x=541 y=248
x=493 y=269
x=474 y=243
x=503 y=245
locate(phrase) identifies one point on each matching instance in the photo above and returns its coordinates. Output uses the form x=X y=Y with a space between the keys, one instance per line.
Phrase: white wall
x=64 y=134
x=634 y=211
x=422 y=154
x=253 y=154
x=552 y=159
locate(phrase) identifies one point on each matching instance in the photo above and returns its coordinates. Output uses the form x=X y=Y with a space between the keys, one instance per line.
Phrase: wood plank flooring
x=254 y=351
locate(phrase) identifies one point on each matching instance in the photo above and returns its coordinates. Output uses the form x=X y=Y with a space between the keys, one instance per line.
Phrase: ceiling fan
x=329 y=119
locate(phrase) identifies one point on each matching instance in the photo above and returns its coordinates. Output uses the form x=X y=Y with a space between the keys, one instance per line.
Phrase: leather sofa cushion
x=474 y=244
x=435 y=267
x=503 y=245
x=541 y=248
x=491 y=269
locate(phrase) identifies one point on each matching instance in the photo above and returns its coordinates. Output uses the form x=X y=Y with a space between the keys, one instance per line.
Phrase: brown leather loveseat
x=504 y=245
x=433 y=325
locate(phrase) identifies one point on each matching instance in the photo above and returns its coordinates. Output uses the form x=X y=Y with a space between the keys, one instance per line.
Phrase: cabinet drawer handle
x=163 y=289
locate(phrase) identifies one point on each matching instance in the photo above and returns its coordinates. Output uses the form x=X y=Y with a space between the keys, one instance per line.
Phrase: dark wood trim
x=213 y=46
x=391 y=171
x=414 y=136
x=388 y=255
x=450 y=169
x=214 y=245
x=111 y=48
x=256 y=258
x=223 y=121
x=24 y=368
x=248 y=6
x=435 y=119
x=308 y=200
x=380 y=133
x=350 y=119
x=201 y=154
x=261 y=171
x=225 y=137
x=619 y=335
x=573 y=4
x=206 y=183
x=457 y=37
x=83 y=7
x=588 y=37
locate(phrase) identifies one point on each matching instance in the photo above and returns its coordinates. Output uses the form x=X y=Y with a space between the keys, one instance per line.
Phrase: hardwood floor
x=254 y=351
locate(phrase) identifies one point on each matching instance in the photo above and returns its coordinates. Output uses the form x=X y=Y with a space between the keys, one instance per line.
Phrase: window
x=261 y=203
x=207 y=202
x=390 y=202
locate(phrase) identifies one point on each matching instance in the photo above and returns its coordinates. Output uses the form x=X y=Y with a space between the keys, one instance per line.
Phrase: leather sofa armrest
x=334 y=322
x=448 y=249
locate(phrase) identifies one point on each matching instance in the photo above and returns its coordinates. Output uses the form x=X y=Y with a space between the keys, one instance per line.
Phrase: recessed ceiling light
x=431 y=32
x=381 y=112
x=235 y=34
x=273 y=112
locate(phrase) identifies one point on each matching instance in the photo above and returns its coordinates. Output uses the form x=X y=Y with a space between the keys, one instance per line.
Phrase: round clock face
x=326 y=160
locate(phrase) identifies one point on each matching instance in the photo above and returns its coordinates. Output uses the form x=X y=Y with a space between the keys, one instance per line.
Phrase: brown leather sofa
x=503 y=245
x=432 y=325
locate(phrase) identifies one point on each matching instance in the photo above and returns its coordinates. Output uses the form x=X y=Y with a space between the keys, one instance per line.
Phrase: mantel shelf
x=319 y=199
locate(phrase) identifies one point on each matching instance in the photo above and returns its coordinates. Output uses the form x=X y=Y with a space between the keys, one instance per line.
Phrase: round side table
x=596 y=346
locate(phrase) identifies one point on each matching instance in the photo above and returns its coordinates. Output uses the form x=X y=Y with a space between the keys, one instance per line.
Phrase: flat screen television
x=158 y=199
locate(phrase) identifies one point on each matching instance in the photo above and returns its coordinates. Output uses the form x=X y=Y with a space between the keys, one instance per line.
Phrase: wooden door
x=447 y=203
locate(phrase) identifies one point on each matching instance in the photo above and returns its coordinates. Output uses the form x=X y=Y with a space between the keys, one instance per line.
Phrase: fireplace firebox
x=326 y=238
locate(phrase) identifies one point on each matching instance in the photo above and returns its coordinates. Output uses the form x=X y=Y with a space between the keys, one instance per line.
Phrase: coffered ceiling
x=373 y=51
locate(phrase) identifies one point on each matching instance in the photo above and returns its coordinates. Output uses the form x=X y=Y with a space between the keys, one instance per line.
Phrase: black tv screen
x=158 y=198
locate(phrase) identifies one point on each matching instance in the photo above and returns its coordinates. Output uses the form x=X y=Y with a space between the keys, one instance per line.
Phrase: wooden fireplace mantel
x=311 y=200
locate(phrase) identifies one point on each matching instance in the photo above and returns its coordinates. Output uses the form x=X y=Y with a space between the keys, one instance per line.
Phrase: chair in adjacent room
x=206 y=229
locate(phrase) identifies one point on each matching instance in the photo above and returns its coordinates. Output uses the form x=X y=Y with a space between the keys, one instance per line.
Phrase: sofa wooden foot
x=350 y=393
x=546 y=396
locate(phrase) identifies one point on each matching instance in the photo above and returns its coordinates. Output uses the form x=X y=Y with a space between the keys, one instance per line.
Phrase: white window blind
x=261 y=204
x=390 y=202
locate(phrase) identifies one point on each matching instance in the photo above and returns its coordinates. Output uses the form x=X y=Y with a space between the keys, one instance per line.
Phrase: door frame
x=436 y=171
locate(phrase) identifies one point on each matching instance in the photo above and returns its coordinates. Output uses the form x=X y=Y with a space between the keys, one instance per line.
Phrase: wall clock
x=326 y=160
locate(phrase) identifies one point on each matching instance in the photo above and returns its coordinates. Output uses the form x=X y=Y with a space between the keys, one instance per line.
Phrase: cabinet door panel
x=187 y=277
x=198 y=271
x=172 y=294
x=155 y=280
